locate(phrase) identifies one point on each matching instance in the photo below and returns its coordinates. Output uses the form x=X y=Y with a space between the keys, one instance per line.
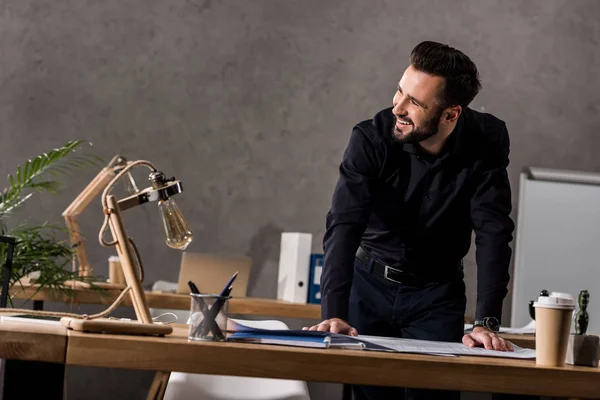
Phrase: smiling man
x=415 y=182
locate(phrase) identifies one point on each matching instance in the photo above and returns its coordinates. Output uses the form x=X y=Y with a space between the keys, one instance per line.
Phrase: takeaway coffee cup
x=553 y=316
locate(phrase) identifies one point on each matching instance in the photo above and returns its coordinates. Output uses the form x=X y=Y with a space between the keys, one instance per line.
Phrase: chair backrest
x=210 y=272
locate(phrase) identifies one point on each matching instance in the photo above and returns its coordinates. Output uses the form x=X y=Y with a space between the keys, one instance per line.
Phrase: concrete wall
x=250 y=103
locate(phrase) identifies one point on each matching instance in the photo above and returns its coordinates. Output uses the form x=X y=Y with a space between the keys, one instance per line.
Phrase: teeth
x=404 y=123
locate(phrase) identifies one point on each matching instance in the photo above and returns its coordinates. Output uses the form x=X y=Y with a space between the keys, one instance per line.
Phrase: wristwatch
x=490 y=323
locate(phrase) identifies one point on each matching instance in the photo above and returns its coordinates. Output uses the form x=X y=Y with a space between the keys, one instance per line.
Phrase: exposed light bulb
x=130 y=186
x=178 y=234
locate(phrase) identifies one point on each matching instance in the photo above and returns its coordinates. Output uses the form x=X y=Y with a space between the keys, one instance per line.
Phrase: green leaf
x=55 y=164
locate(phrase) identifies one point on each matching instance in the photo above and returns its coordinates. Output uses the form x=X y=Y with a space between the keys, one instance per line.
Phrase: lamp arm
x=127 y=168
x=106 y=192
x=74 y=210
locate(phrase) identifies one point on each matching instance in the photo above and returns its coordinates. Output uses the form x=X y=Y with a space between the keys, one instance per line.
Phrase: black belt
x=410 y=278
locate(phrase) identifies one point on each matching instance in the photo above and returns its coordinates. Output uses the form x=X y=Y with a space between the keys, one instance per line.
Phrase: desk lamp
x=177 y=232
x=178 y=236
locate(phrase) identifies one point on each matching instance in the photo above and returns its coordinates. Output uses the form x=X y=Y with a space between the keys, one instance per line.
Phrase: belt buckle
x=385 y=273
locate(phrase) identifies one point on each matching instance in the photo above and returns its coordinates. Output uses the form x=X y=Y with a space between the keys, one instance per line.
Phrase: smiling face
x=417 y=106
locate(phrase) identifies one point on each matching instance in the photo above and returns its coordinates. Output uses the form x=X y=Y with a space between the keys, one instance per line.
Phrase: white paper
x=444 y=348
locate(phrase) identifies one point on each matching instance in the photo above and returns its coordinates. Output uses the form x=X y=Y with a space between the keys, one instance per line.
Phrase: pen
x=193 y=287
x=228 y=284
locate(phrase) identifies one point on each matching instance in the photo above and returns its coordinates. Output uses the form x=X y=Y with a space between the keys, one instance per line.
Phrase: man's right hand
x=334 y=325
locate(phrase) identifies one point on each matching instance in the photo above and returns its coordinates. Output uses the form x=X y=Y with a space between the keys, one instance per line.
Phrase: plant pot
x=583 y=350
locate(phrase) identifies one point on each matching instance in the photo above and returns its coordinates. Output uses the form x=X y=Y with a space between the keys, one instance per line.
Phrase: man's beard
x=418 y=134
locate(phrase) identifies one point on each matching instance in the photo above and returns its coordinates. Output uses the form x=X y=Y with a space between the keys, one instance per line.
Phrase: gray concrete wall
x=250 y=103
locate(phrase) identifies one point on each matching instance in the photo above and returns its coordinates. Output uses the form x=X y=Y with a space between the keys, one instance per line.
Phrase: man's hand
x=333 y=325
x=487 y=338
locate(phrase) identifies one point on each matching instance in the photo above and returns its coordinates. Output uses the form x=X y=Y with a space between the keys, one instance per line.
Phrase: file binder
x=314 y=280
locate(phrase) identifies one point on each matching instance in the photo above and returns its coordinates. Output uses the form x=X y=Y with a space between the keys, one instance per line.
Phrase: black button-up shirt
x=408 y=208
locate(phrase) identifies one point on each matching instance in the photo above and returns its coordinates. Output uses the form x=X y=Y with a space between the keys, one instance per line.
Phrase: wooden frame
x=132 y=276
x=74 y=210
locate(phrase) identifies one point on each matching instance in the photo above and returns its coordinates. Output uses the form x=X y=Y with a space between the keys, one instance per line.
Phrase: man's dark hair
x=459 y=72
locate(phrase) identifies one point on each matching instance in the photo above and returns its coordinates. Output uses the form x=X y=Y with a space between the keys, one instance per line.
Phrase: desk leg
x=159 y=386
x=49 y=380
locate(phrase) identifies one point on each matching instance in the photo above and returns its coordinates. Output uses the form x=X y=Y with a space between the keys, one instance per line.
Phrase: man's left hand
x=491 y=341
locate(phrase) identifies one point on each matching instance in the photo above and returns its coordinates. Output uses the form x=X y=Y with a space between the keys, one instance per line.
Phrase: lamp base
x=106 y=325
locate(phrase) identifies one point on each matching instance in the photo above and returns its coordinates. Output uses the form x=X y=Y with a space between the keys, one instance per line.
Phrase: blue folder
x=301 y=338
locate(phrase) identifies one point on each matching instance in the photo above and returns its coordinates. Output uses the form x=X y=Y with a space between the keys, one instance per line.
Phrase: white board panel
x=558 y=240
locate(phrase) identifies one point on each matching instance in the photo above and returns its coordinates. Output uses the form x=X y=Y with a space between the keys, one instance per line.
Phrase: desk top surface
x=176 y=353
x=52 y=343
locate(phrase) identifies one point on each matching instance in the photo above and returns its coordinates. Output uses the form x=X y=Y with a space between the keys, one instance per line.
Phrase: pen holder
x=208 y=317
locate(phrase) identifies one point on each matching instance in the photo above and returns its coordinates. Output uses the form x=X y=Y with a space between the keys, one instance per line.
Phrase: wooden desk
x=175 y=353
x=33 y=342
x=525 y=341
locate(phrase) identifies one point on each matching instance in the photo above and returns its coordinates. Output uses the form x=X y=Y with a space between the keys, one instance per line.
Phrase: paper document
x=443 y=348
x=279 y=334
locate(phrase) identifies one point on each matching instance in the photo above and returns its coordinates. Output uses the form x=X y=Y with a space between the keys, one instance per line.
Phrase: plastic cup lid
x=556 y=300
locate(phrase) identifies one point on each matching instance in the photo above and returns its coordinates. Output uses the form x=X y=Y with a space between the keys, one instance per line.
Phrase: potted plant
x=40 y=250
x=583 y=349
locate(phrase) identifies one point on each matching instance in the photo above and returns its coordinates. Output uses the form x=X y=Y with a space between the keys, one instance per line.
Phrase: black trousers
x=383 y=308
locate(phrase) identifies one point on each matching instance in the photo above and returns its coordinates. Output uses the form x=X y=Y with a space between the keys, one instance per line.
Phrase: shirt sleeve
x=346 y=222
x=490 y=210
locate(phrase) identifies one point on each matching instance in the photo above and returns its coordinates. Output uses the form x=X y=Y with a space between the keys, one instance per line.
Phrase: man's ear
x=452 y=113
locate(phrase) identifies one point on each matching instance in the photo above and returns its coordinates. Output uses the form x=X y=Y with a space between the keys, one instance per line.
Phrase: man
x=415 y=181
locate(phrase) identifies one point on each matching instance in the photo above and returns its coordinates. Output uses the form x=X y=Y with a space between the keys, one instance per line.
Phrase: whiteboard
x=557 y=240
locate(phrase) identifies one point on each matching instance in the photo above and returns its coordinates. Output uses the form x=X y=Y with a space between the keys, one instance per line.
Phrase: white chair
x=184 y=386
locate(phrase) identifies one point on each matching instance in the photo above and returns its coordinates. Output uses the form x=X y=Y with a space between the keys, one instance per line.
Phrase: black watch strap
x=490 y=323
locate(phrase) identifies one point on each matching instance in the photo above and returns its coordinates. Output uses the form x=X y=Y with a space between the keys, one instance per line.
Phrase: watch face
x=492 y=324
